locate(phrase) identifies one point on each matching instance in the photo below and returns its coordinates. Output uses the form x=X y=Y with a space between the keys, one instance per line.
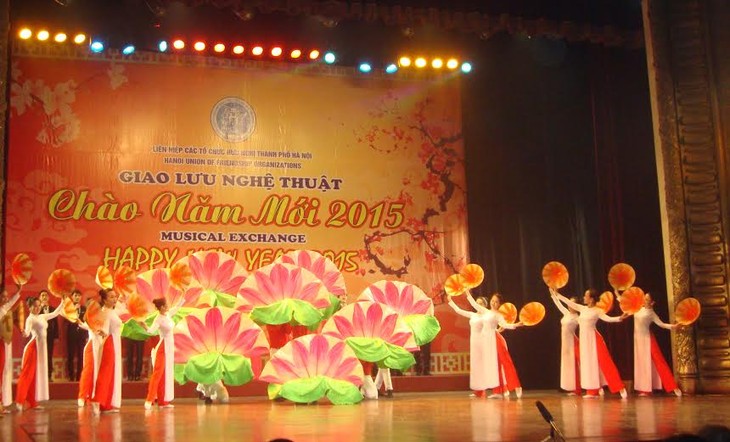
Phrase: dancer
x=569 y=348
x=211 y=392
x=108 y=385
x=651 y=371
x=161 y=386
x=6 y=348
x=75 y=340
x=595 y=359
x=383 y=378
x=51 y=333
x=484 y=355
x=89 y=368
x=33 y=380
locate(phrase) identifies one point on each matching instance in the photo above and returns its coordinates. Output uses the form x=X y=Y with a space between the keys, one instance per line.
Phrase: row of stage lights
x=277 y=52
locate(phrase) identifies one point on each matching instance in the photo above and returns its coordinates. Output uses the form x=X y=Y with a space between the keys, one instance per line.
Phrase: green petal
x=398 y=358
x=286 y=311
x=304 y=390
x=368 y=349
x=274 y=390
x=182 y=313
x=236 y=369
x=424 y=327
x=132 y=330
x=342 y=392
x=221 y=299
x=180 y=374
x=205 y=368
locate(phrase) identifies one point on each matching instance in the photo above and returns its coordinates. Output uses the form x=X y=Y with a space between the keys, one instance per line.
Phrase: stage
x=447 y=416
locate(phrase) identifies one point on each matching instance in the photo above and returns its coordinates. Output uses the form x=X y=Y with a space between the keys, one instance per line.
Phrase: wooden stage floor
x=442 y=416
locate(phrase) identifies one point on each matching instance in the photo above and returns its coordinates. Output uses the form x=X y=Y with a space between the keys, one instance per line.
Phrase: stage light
x=79 y=38
x=391 y=69
x=466 y=67
x=96 y=46
x=60 y=37
x=452 y=63
x=128 y=50
x=404 y=62
x=25 y=33
x=329 y=57
x=178 y=44
x=257 y=50
x=365 y=67
x=43 y=35
x=276 y=51
x=219 y=47
x=314 y=54
x=296 y=53
x=162 y=46
x=420 y=62
x=437 y=63
x=199 y=46
x=238 y=49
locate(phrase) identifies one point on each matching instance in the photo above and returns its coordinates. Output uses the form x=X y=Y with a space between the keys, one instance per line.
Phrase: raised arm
x=604 y=317
x=559 y=304
x=661 y=323
x=53 y=314
x=5 y=308
x=473 y=303
x=504 y=324
x=571 y=304
x=152 y=329
x=459 y=311
x=173 y=311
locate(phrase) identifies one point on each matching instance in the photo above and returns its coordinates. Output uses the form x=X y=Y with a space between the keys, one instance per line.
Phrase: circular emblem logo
x=233 y=119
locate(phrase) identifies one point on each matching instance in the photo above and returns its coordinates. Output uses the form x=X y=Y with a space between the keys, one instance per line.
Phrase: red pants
x=86 y=381
x=156 y=389
x=662 y=368
x=576 y=351
x=26 y=382
x=507 y=373
x=607 y=366
x=367 y=367
x=105 y=379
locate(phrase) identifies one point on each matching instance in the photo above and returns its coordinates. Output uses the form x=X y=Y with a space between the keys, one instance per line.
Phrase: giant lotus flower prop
x=411 y=304
x=375 y=332
x=325 y=270
x=216 y=278
x=218 y=343
x=314 y=366
x=283 y=293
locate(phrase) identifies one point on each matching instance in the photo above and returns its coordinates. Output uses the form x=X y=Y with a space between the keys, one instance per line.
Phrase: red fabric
x=508 y=374
x=26 y=382
x=665 y=374
x=156 y=388
x=479 y=393
x=2 y=362
x=86 y=381
x=607 y=366
x=299 y=330
x=105 y=379
x=576 y=352
x=279 y=335
x=367 y=367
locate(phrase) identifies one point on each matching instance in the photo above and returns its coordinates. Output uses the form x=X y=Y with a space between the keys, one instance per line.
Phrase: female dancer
x=594 y=357
x=488 y=361
x=33 y=380
x=89 y=368
x=650 y=369
x=569 y=349
x=162 y=386
x=108 y=386
x=6 y=347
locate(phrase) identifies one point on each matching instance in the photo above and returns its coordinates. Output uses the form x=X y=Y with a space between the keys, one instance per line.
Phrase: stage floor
x=443 y=416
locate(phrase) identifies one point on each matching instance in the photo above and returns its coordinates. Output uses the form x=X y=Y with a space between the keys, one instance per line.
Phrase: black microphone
x=549 y=419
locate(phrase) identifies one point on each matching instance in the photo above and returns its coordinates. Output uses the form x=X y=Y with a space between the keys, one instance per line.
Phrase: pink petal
x=406 y=300
x=213 y=322
x=232 y=285
x=391 y=294
x=400 y=339
x=318 y=348
x=359 y=323
x=421 y=307
x=185 y=348
x=222 y=274
x=196 y=268
x=145 y=289
x=267 y=288
x=344 y=326
x=210 y=266
x=243 y=343
x=300 y=354
x=387 y=326
x=160 y=283
x=285 y=370
x=374 y=318
x=229 y=331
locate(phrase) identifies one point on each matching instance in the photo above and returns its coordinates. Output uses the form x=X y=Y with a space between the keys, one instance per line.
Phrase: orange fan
x=605 y=302
x=509 y=311
x=180 y=275
x=555 y=275
x=632 y=300
x=22 y=268
x=125 y=281
x=104 y=278
x=473 y=275
x=69 y=310
x=532 y=313
x=95 y=317
x=61 y=283
x=687 y=311
x=455 y=285
x=139 y=307
x=621 y=276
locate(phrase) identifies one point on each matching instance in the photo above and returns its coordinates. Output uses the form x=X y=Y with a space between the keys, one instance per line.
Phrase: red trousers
x=508 y=374
x=105 y=379
x=607 y=366
x=156 y=388
x=662 y=368
x=25 y=392
x=576 y=352
x=86 y=381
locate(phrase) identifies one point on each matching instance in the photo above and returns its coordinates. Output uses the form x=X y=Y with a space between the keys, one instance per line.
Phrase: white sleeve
x=659 y=322
x=459 y=311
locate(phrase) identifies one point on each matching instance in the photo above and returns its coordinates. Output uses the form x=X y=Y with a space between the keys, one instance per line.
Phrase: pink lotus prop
x=218 y=343
x=215 y=279
x=314 y=366
x=150 y=285
x=323 y=268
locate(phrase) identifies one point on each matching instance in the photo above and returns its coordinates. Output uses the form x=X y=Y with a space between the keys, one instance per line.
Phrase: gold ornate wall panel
x=691 y=164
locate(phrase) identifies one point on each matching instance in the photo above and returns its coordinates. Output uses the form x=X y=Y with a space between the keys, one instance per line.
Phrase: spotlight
x=365 y=67
x=96 y=46
x=296 y=53
x=329 y=57
x=25 y=33
x=391 y=69
x=79 y=38
x=238 y=49
x=162 y=46
x=452 y=63
x=43 y=35
x=199 y=46
x=60 y=37
x=178 y=44
x=257 y=50
x=420 y=62
x=276 y=51
x=219 y=47
x=128 y=50
x=437 y=63
x=314 y=54
x=466 y=67
x=404 y=62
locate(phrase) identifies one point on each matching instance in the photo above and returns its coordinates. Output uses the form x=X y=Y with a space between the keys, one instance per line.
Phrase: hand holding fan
x=687 y=311
x=532 y=313
x=69 y=310
x=555 y=275
x=21 y=269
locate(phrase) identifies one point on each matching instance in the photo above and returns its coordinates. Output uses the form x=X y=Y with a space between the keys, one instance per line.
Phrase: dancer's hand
x=624 y=316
